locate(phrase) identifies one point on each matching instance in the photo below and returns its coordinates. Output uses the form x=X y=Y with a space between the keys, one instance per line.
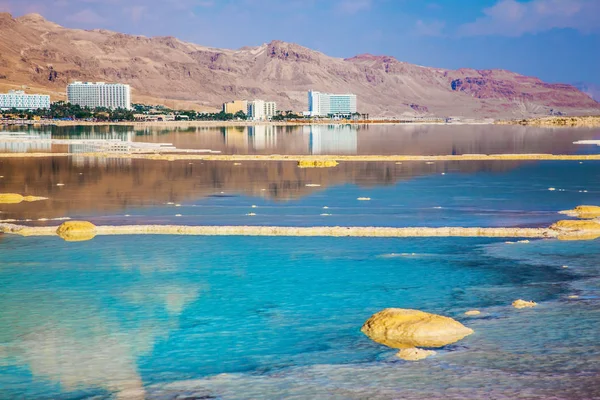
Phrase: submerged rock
x=473 y=312
x=523 y=304
x=76 y=231
x=414 y=354
x=403 y=328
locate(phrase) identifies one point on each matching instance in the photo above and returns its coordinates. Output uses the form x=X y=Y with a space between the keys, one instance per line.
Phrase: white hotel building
x=324 y=104
x=259 y=110
x=99 y=94
x=21 y=101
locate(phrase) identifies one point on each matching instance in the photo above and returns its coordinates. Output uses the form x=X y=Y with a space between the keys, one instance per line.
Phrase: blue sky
x=556 y=40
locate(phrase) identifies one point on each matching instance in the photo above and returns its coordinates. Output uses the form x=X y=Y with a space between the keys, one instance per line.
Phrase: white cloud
x=136 y=13
x=432 y=28
x=354 y=6
x=86 y=17
x=5 y=6
x=515 y=18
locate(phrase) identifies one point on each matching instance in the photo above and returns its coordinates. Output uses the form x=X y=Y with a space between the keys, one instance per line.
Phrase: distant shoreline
x=236 y=123
x=542 y=122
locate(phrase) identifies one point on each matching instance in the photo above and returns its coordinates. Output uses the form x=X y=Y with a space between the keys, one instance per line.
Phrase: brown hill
x=45 y=56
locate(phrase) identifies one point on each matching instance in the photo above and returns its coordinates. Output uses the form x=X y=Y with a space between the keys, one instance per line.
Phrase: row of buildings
x=117 y=95
x=255 y=110
x=84 y=94
x=319 y=105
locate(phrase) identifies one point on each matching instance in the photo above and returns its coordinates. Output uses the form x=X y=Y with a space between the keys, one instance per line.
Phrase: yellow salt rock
x=577 y=229
x=473 y=312
x=14 y=198
x=584 y=212
x=76 y=231
x=404 y=328
x=414 y=354
x=523 y=304
x=317 y=163
x=574 y=296
x=10 y=198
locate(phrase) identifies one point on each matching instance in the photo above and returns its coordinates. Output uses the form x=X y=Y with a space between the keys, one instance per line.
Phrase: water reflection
x=343 y=139
x=333 y=139
x=93 y=337
x=107 y=185
x=17 y=142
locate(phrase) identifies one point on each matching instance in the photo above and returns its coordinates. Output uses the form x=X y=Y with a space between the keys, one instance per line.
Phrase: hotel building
x=235 y=106
x=259 y=110
x=99 y=94
x=325 y=104
x=21 y=101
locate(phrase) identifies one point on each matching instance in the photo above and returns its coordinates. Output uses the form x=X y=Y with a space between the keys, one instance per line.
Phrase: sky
x=555 y=40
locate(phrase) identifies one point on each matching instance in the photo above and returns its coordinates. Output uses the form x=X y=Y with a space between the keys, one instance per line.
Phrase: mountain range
x=42 y=56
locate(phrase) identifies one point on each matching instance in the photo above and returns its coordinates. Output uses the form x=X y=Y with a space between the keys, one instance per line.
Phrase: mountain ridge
x=43 y=55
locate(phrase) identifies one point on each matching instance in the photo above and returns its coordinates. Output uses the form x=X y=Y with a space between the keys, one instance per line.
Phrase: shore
x=324 y=160
x=587 y=121
x=185 y=124
x=568 y=122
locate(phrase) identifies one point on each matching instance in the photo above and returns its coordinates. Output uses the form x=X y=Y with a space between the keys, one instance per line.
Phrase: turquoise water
x=97 y=318
x=173 y=317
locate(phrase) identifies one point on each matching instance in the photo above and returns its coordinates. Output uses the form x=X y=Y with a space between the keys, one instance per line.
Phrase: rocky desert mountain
x=44 y=57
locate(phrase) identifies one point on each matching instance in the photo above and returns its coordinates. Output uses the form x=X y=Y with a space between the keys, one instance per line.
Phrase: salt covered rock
x=584 y=212
x=577 y=229
x=76 y=231
x=414 y=354
x=14 y=198
x=317 y=163
x=473 y=312
x=10 y=198
x=403 y=328
x=523 y=304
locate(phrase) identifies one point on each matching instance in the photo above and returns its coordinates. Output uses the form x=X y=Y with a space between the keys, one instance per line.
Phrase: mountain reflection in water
x=104 y=185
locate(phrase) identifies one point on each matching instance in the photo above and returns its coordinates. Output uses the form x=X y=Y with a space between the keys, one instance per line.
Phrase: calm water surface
x=241 y=317
x=318 y=139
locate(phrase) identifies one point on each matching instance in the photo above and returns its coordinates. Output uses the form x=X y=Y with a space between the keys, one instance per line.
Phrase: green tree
x=240 y=115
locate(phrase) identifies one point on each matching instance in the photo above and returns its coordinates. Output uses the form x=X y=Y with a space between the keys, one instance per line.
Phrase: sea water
x=174 y=317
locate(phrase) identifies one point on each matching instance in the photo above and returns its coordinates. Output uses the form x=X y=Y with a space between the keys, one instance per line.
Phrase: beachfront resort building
x=259 y=110
x=99 y=94
x=326 y=104
x=19 y=100
x=235 y=106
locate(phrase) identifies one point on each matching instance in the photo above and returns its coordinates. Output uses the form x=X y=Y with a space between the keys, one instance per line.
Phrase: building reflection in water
x=333 y=139
x=236 y=138
x=263 y=137
x=25 y=143
x=92 y=142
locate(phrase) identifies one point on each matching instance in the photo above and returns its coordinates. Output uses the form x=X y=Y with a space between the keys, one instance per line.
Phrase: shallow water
x=241 y=317
x=318 y=139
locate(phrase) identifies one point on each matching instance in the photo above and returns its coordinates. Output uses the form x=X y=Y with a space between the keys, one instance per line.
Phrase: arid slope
x=45 y=56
